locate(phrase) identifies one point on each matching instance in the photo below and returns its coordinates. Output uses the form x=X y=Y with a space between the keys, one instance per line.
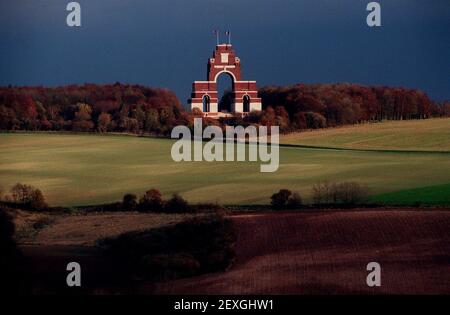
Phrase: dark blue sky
x=166 y=43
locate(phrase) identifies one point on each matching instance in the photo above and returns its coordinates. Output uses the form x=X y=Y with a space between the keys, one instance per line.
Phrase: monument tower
x=204 y=94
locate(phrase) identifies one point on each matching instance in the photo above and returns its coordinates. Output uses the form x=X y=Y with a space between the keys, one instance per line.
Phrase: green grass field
x=430 y=195
x=413 y=135
x=90 y=169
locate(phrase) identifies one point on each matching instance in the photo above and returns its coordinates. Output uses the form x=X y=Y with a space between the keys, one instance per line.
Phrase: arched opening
x=206 y=103
x=225 y=91
x=246 y=104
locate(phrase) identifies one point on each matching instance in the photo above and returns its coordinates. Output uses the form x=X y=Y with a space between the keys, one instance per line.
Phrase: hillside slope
x=413 y=135
x=327 y=253
x=89 y=169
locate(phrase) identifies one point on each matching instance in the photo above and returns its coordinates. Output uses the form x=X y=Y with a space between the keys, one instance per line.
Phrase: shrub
x=280 y=198
x=321 y=193
x=295 y=200
x=199 y=245
x=37 y=200
x=176 y=204
x=151 y=201
x=347 y=193
x=129 y=202
x=29 y=196
x=351 y=193
x=20 y=193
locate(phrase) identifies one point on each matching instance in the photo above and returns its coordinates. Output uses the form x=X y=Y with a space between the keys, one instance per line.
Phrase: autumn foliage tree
x=104 y=122
x=142 y=110
x=280 y=198
x=28 y=196
x=103 y=108
x=151 y=201
x=83 y=119
x=327 y=105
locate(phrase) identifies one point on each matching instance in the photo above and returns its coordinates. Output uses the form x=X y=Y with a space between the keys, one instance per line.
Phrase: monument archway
x=225 y=62
x=225 y=88
x=206 y=103
x=246 y=103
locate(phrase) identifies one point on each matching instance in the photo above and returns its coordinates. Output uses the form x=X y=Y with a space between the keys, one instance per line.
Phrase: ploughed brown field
x=295 y=253
x=327 y=253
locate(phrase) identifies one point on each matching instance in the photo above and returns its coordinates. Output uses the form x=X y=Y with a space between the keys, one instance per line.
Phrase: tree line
x=91 y=107
x=312 y=106
x=138 y=109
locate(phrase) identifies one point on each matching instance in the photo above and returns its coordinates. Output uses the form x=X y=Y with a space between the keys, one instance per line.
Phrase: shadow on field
x=118 y=264
x=310 y=252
